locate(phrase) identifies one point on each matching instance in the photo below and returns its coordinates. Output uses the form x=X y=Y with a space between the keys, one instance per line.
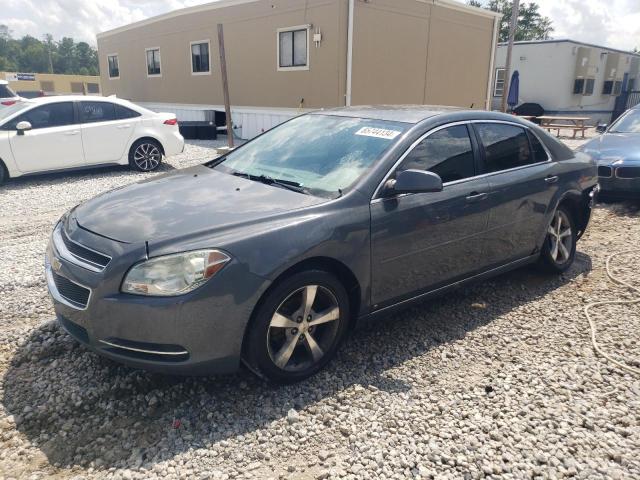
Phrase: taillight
x=8 y=103
x=171 y=121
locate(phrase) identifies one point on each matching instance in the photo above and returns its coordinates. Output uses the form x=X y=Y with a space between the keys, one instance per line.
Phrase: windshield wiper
x=287 y=184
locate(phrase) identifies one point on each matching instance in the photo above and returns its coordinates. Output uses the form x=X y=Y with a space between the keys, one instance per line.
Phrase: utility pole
x=225 y=85
x=515 y=9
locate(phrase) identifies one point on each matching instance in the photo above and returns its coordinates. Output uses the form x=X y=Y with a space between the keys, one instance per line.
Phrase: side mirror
x=602 y=128
x=415 y=181
x=22 y=127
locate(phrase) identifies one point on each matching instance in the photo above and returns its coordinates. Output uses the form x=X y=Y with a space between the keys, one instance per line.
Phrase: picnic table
x=558 y=123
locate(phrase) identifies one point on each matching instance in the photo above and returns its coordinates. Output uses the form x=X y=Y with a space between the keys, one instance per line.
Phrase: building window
x=607 y=88
x=200 y=57
x=578 y=86
x=114 y=69
x=498 y=87
x=77 y=87
x=153 y=62
x=293 y=48
x=47 y=86
x=630 y=84
x=617 y=88
x=93 y=87
x=589 y=86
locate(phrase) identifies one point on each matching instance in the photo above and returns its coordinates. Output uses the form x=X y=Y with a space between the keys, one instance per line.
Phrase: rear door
x=53 y=142
x=523 y=181
x=421 y=241
x=106 y=130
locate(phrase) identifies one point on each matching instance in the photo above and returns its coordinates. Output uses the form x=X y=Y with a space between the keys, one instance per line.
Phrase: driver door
x=422 y=241
x=54 y=141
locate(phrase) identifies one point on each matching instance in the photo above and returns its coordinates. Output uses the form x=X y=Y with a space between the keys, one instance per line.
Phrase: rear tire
x=298 y=327
x=145 y=155
x=559 y=249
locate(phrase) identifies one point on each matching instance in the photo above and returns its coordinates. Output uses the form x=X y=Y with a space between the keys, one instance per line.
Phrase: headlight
x=172 y=275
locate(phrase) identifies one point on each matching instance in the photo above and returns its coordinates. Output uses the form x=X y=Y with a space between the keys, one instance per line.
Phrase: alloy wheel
x=147 y=156
x=303 y=328
x=560 y=238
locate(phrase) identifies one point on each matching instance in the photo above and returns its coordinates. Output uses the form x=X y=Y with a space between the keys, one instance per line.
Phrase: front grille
x=73 y=293
x=628 y=172
x=604 y=172
x=85 y=254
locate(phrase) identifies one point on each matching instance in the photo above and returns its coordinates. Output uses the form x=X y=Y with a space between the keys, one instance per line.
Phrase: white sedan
x=71 y=132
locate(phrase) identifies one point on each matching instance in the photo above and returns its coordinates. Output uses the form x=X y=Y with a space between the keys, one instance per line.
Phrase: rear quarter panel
x=577 y=176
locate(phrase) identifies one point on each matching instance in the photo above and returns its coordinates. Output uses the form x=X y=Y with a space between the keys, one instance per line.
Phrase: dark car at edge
x=617 y=152
x=272 y=253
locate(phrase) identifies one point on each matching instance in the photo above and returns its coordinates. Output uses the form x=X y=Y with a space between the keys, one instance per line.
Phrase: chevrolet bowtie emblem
x=55 y=264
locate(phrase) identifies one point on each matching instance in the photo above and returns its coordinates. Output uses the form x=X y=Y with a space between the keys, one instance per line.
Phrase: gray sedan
x=272 y=253
x=617 y=152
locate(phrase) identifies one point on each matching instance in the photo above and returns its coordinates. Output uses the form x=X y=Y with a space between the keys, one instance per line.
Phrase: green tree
x=29 y=54
x=531 y=24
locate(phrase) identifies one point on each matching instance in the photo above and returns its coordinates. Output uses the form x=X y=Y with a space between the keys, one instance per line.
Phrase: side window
x=505 y=146
x=447 y=152
x=47 y=116
x=293 y=48
x=539 y=153
x=122 y=113
x=91 y=112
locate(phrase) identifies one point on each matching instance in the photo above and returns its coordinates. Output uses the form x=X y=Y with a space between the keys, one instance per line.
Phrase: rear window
x=124 y=112
x=6 y=92
x=539 y=153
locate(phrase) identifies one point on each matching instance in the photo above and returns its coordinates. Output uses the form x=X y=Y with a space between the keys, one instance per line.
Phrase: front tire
x=559 y=250
x=298 y=327
x=145 y=155
x=4 y=175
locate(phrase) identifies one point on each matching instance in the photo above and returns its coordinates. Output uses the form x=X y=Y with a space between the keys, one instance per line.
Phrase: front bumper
x=613 y=185
x=193 y=334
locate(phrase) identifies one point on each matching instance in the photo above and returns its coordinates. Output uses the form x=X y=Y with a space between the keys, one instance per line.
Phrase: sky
x=613 y=23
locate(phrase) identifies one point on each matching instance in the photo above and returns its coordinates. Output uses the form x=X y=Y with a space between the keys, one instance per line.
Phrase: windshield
x=629 y=123
x=6 y=92
x=322 y=154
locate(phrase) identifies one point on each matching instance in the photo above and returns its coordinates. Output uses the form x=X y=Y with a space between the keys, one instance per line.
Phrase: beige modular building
x=287 y=56
x=53 y=83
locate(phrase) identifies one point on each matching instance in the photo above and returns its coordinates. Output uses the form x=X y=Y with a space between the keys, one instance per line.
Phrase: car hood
x=190 y=201
x=613 y=147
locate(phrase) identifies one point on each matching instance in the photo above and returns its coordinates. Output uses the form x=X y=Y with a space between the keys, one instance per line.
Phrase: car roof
x=72 y=98
x=394 y=113
x=414 y=114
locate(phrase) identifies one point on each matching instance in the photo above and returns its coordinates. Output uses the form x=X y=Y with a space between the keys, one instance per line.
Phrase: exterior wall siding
x=548 y=71
x=405 y=51
x=251 y=50
x=416 y=52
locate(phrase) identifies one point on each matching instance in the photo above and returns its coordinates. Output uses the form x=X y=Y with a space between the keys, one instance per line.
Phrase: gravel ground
x=497 y=380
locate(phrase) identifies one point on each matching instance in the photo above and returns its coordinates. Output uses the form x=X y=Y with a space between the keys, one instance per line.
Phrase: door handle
x=476 y=197
x=73 y=132
x=122 y=127
x=551 y=179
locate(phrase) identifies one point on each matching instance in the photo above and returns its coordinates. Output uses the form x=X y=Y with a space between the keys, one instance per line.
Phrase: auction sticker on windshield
x=378 y=133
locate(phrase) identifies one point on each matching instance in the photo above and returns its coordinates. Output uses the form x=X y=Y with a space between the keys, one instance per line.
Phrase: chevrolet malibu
x=70 y=132
x=270 y=254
